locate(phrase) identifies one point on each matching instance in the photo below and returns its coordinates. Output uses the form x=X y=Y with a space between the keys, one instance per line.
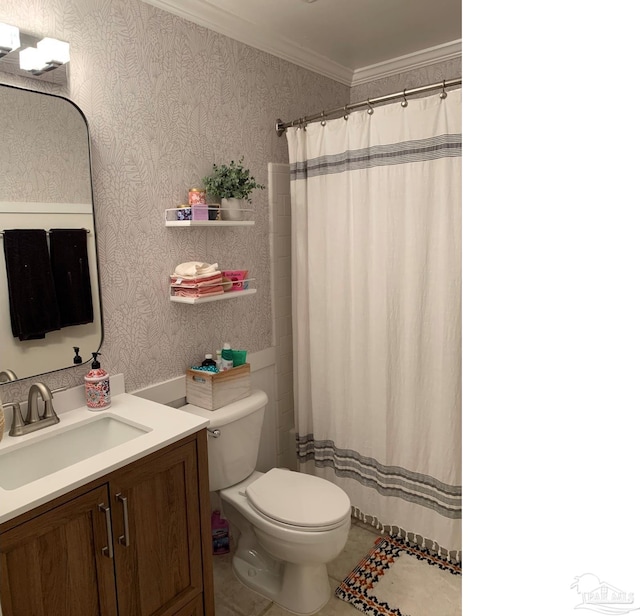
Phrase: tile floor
x=234 y=599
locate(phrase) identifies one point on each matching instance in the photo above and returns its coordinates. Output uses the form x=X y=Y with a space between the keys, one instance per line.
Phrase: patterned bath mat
x=397 y=578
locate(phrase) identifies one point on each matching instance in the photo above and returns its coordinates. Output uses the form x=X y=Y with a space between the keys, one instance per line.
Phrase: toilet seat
x=298 y=500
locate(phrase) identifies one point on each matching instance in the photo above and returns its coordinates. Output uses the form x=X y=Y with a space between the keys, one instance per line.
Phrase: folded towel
x=32 y=299
x=192 y=269
x=70 y=265
x=198 y=281
x=201 y=292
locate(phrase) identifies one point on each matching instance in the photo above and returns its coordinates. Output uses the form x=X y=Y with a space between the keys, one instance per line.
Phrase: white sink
x=48 y=453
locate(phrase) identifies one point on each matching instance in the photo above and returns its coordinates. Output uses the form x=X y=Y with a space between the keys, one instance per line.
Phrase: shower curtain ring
x=323 y=122
x=304 y=124
x=346 y=113
x=370 y=110
x=443 y=94
x=404 y=102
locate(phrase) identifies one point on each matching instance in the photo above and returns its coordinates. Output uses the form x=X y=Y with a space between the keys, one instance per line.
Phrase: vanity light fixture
x=32 y=56
x=48 y=55
x=30 y=60
x=9 y=39
x=54 y=51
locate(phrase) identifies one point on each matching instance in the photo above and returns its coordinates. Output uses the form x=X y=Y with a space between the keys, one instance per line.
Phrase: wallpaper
x=44 y=155
x=434 y=73
x=165 y=99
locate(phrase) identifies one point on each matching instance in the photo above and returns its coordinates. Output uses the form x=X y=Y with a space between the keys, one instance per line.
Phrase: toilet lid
x=297 y=499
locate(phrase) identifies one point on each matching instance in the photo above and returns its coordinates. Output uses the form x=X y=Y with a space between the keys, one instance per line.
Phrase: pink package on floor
x=237 y=278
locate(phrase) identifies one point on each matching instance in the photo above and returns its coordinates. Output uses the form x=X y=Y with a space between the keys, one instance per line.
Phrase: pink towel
x=194 y=283
x=199 y=292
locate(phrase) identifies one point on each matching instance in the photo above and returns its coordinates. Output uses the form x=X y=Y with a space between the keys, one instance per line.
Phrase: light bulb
x=54 y=51
x=9 y=38
x=31 y=60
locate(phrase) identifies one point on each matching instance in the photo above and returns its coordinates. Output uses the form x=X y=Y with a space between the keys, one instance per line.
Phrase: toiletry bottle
x=219 y=359
x=96 y=386
x=208 y=360
x=227 y=357
x=77 y=359
x=219 y=534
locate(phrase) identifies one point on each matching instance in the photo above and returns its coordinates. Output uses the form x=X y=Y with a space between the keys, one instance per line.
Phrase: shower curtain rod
x=282 y=126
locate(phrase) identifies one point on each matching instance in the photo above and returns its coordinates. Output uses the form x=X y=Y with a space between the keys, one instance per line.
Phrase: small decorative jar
x=184 y=213
x=197 y=197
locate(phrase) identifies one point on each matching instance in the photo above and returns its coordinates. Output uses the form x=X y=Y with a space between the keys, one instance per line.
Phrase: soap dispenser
x=96 y=386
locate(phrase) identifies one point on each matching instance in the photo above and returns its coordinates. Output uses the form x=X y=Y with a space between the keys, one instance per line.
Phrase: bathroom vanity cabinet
x=135 y=542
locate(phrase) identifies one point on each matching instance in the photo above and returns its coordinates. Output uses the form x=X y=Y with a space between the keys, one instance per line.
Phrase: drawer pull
x=124 y=539
x=108 y=550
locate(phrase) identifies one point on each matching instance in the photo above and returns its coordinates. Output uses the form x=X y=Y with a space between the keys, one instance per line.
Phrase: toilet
x=290 y=524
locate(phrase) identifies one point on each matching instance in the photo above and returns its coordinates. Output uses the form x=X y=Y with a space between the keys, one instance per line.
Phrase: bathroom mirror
x=45 y=183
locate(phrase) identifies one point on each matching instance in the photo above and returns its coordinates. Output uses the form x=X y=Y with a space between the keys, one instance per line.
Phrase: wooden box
x=210 y=390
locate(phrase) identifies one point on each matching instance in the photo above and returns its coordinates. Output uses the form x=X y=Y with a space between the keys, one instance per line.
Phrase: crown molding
x=223 y=22
x=410 y=62
x=229 y=24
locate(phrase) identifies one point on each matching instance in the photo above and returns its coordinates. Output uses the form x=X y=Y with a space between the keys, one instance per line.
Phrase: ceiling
x=351 y=41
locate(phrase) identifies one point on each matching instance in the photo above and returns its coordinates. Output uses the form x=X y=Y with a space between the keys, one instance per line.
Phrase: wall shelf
x=212 y=298
x=171 y=220
x=209 y=223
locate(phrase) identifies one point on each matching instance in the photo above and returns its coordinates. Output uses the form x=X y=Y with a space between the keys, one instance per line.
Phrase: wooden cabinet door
x=54 y=565
x=193 y=609
x=156 y=526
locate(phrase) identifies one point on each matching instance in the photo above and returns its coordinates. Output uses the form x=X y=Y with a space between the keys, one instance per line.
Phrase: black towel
x=70 y=265
x=32 y=298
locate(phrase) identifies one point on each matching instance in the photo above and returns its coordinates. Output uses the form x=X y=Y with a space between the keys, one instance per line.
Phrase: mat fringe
x=452 y=557
x=358 y=588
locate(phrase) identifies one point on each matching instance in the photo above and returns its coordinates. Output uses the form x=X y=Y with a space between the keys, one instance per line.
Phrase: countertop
x=167 y=425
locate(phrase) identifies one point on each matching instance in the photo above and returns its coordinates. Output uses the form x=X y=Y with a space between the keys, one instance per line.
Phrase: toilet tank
x=233 y=438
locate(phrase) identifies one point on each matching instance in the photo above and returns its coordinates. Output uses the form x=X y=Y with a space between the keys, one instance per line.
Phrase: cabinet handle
x=124 y=539
x=107 y=551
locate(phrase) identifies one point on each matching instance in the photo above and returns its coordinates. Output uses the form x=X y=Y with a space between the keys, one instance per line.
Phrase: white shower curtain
x=376 y=310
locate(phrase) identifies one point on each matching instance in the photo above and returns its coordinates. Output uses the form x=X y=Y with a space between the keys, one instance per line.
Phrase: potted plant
x=233 y=184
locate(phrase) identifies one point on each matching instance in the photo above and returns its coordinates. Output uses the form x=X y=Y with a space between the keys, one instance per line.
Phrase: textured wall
x=449 y=69
x=164 y=99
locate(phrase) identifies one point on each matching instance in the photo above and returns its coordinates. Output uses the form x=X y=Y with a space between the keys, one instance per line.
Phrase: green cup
x=239 y=358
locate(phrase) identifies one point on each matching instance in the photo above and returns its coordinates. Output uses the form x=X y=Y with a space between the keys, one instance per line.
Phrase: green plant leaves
x=231 y=181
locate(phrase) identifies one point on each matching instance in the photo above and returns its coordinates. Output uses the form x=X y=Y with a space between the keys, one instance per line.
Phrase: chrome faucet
x=34 y=420
x=6 y=376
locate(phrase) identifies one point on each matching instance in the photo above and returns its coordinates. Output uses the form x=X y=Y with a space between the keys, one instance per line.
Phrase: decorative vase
x=232 y=209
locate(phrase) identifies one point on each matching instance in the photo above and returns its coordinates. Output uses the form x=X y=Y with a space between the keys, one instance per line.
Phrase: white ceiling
x=352 y=41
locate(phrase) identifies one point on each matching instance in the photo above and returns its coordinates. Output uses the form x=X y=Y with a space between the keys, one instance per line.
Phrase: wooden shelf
x=212 y=298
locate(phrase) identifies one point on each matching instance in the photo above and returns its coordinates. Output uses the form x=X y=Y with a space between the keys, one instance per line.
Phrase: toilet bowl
x=294 y=575
x=290 y=524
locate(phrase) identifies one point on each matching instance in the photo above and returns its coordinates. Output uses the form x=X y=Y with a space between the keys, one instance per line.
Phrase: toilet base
x=301 y=589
